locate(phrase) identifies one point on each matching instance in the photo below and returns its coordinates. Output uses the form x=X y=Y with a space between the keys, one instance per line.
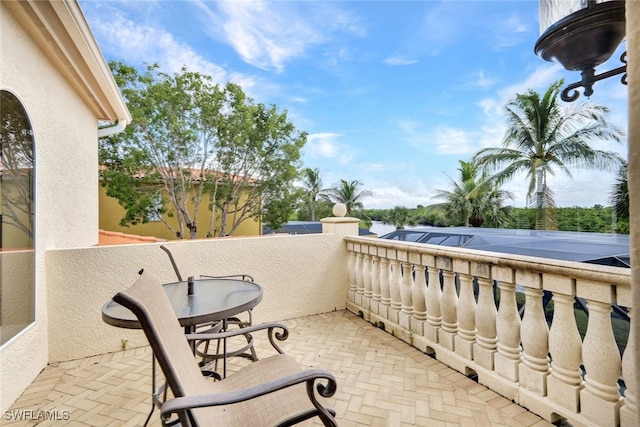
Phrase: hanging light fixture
x=580 y=35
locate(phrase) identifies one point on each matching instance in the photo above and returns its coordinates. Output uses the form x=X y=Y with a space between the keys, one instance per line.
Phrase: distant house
x=111 y=212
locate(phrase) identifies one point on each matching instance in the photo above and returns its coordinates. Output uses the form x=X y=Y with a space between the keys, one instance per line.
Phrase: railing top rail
x=614 y=275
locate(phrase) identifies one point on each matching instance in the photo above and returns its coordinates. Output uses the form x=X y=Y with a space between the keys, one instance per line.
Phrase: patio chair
x=185 y=268
x=272 y=391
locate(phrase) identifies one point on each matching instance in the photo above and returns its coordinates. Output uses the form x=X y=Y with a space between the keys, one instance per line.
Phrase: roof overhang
x=62 y=32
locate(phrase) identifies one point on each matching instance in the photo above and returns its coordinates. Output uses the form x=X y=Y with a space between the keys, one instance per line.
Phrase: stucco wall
x=300 y=275
x=66 y=176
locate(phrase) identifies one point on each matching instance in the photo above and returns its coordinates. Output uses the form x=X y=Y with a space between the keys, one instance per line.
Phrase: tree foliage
x=475 y=199
x=349 y=193
x=312 y=192
x=543 y=137
x=190 y=138
x=398 y=217
x=619 y=197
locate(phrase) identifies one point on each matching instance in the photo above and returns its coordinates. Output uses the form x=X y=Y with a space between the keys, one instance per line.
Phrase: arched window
x=17 y=276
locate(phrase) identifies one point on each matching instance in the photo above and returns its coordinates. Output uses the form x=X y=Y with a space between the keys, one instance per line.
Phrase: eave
x=60 y=29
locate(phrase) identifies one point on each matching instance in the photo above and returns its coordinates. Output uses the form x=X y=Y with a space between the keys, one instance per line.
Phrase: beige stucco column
x=343 y=226
x=633 y=74
x=339 y=224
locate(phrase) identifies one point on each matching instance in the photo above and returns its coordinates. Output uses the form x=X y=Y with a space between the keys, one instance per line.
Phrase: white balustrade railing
x=462 y=306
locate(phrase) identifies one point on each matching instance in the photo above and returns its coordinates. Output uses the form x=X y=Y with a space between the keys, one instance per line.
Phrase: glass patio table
x=212 y=300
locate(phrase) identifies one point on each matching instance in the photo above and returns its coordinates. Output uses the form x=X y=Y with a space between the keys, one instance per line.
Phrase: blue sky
x=391 y=93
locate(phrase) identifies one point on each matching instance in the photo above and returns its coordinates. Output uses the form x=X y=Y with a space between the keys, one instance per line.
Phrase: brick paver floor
x=382 y=381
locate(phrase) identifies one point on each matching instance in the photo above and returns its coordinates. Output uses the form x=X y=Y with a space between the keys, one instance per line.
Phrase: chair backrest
x=151 y=305
x=181 y=260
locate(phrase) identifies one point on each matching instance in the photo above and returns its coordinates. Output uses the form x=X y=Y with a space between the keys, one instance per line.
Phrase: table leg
x=190 y=330
x=224 y=350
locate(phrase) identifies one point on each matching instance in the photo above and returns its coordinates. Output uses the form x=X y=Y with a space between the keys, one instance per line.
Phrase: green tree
x=189 y=138
x=543 y=137
x=349 y=193
x=475 y=200
x=257 y=154
x=398 y=216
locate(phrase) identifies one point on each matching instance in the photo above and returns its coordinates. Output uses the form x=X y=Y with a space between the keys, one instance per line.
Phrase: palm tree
x=543 y=136
x=349 y=193
x=620 y=197
x=475 y=199
x=313 y=188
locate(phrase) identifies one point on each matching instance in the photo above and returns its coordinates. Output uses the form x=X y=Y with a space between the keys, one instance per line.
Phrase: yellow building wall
x=110 y=213
x=13 y=237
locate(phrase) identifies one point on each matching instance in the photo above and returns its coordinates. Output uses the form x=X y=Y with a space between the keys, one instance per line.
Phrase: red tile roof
x=117 y=238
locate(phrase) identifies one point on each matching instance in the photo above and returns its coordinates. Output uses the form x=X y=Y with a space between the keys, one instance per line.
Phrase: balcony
x=405 y=352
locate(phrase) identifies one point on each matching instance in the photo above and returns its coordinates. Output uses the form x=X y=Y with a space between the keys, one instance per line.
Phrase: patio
x=428 y=299
x=382 y=381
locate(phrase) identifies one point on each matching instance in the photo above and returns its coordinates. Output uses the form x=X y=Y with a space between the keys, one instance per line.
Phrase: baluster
x=565 y=346
x=375 y=284
x=629 y=411
x=406 y=296
x=486 y=337
x=420 y=294
x=535 y=343
x=434 y=316
x=394 y=285
x=359 y=279
x=600 y=399
x=448 y=308
x=466 y=337
x=366 y=279
x=507 y=359
x=385 y=287
x=352 y=276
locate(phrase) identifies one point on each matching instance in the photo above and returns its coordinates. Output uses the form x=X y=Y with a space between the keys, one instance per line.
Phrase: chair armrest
x=271 y=328
x=242 y=276
x=309 y=376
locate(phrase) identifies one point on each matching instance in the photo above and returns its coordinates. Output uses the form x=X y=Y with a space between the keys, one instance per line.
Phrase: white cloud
x=144 y=43
x=297 y=100
x=442 y=26
x=508 y=32
x=269 y=34
x=540 y=78
x=265 y=35
x=515 y=24
x=387 y=195
x=324 y=145
x=479 y=80
x=399 y=61
x=414 y=134
x=483 y=81
x=454 y=141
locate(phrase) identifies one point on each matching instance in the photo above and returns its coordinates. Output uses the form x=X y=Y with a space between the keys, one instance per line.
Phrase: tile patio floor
x=382 y=381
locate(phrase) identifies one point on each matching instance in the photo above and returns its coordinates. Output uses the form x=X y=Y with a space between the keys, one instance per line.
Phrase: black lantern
x=580 y=35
